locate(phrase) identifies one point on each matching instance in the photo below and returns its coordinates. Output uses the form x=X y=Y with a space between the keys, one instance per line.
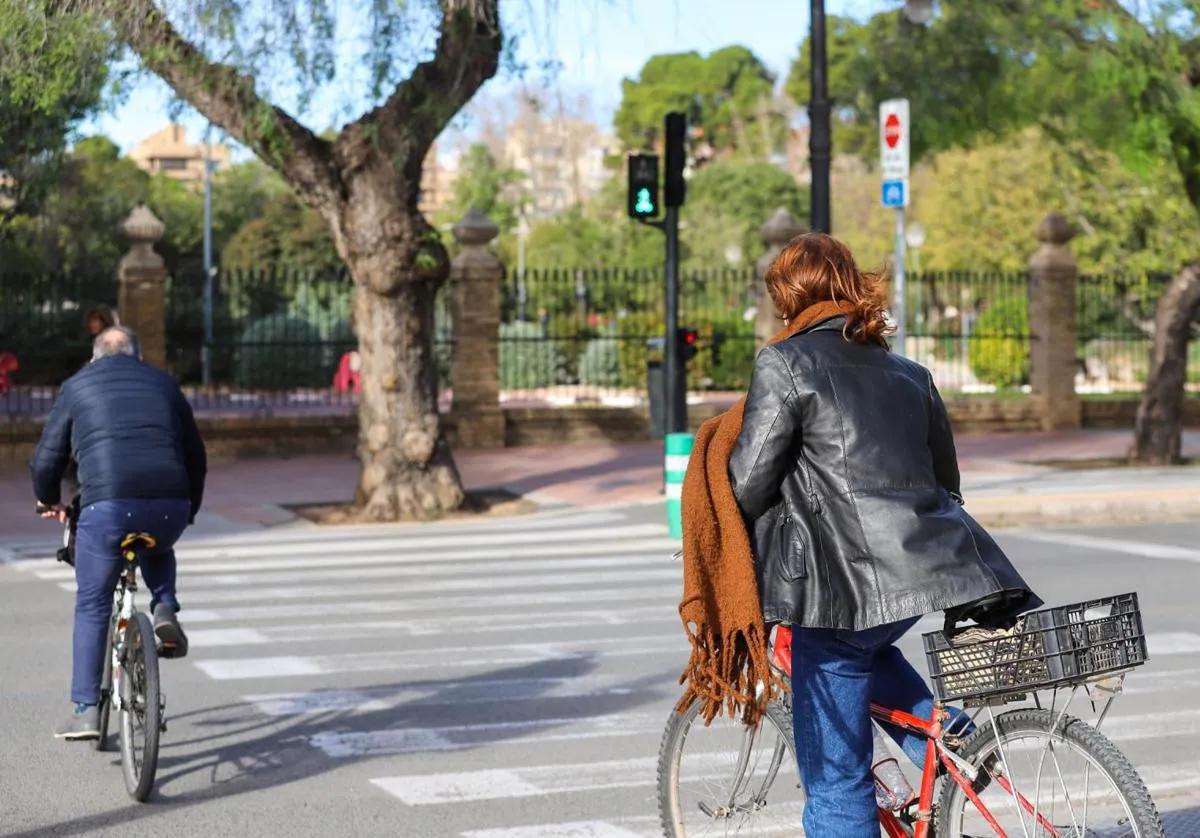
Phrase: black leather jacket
x=844 y=470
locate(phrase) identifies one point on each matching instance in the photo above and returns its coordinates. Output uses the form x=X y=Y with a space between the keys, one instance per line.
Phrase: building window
x=172 y=164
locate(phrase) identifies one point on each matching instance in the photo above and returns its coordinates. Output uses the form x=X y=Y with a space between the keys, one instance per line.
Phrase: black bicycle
x=130 y=684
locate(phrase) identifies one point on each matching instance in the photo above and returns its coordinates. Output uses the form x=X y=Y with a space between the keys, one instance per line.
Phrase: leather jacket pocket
x=790 y=550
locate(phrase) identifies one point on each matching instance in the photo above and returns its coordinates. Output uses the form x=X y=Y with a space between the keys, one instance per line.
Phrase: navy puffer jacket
x=131 y=431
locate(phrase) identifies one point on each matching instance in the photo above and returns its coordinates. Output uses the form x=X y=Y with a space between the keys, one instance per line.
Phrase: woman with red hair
x=845 y=472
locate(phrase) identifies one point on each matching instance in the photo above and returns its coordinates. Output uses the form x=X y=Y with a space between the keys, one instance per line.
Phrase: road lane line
x=426 y=586
x=631 y=556
x=419 y=740
x=232 y=669
x=442 y=693
x=1114 y=545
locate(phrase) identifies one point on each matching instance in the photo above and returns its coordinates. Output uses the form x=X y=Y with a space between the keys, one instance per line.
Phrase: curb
x=1070 y=509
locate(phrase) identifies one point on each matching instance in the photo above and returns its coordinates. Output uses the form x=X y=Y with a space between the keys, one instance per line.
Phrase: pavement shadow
x=242 y=750
x=1182 y=823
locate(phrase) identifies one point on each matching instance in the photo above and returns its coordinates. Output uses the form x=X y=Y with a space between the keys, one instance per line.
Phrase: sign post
x=894 y=127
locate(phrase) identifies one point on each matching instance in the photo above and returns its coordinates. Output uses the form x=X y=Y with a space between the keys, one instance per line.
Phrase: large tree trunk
x=1158 y=437
x=407 y=469
x=398 y=263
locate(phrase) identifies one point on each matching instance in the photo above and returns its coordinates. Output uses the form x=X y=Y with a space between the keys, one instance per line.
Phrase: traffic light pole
x=674 y=381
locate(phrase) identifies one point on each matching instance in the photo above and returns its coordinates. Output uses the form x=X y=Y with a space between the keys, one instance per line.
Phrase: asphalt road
x=491 y=679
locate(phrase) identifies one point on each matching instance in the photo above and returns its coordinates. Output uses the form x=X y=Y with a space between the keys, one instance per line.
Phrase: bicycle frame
x=123 y=609
x=936 y=753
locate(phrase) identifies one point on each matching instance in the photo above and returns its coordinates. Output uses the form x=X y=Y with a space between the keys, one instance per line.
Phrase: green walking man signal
x=643 y=186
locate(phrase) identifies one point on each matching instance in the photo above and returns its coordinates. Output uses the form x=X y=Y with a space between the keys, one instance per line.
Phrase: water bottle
x=892 y=789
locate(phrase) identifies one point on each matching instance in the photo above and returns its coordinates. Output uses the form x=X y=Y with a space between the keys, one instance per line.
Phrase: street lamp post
x=820 y=140
x=206 y=349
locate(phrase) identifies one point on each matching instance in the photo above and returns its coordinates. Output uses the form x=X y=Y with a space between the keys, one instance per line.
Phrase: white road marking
x=201 y=638
x=473 y=605
x=1114 y=545
x=304 y=572
x=566 y=829
x=450 y=693
x=295 y=704
x=648 y=550
x=310 y=632
x=424 y=586
x=418 y=740
x=422 y=543
x=465 y=657
x=1173 y=643
x=536 y=780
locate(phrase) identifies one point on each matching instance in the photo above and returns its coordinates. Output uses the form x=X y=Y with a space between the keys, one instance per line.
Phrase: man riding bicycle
x=142 y=466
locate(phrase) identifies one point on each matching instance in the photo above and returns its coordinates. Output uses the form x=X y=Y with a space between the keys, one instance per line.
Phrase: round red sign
x=891 y=130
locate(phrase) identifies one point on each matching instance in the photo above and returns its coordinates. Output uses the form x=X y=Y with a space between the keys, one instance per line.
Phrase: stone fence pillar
x=778 y=230
x=475 y=278
x=141 y=280
x=1053 y=274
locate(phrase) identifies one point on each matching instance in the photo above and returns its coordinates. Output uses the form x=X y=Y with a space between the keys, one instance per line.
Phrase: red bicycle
x=1034 y=772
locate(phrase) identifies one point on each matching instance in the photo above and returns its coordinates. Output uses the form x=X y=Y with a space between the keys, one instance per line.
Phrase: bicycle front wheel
x=141 y=708
x=727 y=779
x=1069 y=782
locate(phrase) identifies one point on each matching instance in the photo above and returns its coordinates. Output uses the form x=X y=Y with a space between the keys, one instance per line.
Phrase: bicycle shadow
x=243 y=749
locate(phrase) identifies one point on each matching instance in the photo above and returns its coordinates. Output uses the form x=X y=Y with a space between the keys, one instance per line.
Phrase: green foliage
x=484 y=184
x=600 y=364
x=999 y=345
x=728 y=202
x=281 y=351
x=959 y=81
x=52 y=74
x=726 y=95
x=528 y=357
x=287 y=233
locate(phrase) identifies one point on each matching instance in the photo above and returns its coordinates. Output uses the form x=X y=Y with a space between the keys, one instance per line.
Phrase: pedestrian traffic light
x=643 y=185
x=687 y=343
x=675 y=129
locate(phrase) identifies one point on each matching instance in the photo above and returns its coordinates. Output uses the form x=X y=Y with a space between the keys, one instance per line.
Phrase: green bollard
x=678 y=448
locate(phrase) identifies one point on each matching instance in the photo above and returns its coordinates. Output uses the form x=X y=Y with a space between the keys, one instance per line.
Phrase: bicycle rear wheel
x=141 y=708
x=1076 y=780
x=106 y=688
x=726 y=779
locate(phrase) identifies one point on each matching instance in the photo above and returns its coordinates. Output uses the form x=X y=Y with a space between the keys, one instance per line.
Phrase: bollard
x=678 y=448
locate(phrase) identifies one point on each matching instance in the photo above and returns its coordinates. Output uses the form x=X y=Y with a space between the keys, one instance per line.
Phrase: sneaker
x=83 y=723
x=172 y=642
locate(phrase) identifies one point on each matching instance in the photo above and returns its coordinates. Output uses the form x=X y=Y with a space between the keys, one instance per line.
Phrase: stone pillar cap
x=781 y=227
x=475 y=228
x=142 y=225
x=1055 y=229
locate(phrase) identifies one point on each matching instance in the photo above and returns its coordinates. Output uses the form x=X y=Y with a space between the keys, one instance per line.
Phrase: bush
x=999 y=344
x=600 y=364
x=528 y=358
x=281 y=351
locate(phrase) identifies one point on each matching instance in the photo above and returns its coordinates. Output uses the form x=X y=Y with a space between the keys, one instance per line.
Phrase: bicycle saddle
x=135 y=541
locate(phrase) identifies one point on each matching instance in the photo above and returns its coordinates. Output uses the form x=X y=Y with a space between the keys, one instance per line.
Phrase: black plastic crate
x=1045 y=648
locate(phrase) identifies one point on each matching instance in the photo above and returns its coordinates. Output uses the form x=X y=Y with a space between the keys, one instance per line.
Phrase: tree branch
x=223 y=95
x=467 y=55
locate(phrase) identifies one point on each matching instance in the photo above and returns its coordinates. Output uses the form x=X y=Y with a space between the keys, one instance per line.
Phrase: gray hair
x=116 y=340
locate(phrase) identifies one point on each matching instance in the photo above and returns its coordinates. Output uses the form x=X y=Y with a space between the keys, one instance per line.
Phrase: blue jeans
x=98 y=565
x=835 y=676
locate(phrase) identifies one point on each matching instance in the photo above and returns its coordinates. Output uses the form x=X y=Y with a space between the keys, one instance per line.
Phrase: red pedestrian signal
x=687 y=343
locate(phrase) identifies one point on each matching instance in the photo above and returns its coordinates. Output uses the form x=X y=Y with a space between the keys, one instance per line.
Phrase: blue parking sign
x=895 y=193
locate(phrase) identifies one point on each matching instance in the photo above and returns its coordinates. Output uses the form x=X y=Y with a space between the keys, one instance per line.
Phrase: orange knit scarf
x=720 y=608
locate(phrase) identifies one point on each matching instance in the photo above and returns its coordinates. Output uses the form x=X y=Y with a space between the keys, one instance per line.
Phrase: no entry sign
x=894 y=129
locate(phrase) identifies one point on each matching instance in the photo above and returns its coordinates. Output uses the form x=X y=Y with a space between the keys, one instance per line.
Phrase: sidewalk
x=1003 y=480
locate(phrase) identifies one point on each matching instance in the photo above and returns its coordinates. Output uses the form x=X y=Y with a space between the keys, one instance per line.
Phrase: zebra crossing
x=498 y=678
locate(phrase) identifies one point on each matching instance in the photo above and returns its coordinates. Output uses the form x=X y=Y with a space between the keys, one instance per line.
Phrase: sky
x=596 y=43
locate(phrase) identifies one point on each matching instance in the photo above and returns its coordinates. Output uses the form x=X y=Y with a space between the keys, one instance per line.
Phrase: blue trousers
x=98 y=566
x=835 y=676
